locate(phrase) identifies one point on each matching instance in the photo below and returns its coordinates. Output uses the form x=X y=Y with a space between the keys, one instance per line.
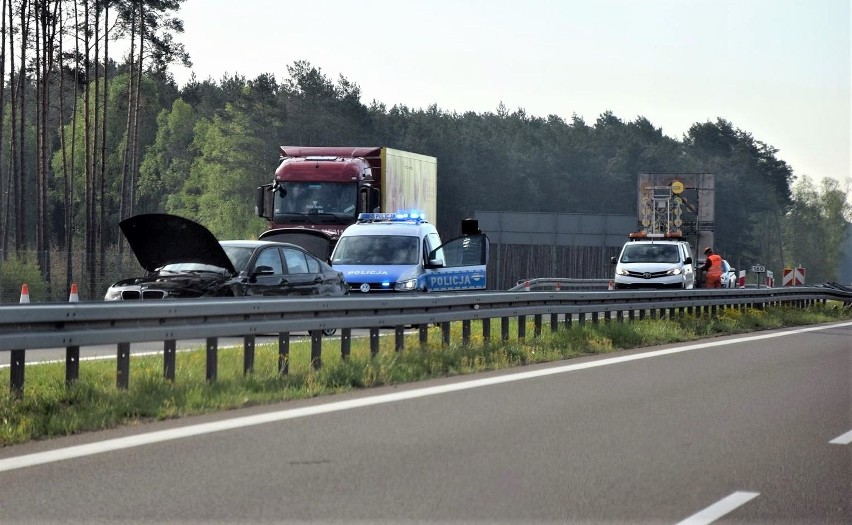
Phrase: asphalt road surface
x=744 y=429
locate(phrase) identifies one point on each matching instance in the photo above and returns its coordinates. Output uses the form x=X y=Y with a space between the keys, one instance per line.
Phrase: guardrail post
x=72 y=364
x=537 y=326
x=522 y=327
x=504 y=329
x=212 y=359
x=568 y=319
x=581 y=318
x=169 y=351
x=316 y=349
x=283 y=353
x=248 y=354
x=399 y=338
x=466 y=332
x=595 y=317
x=631 y=315
x=486 y=330
x=607 y=317
x=122 y=366
x=445 y=333
x=16 y=372
x=345 y=343
x=374 y=342
x=424 y=333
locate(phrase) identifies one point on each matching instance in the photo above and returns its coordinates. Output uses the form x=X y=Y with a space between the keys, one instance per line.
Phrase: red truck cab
x=321 y=188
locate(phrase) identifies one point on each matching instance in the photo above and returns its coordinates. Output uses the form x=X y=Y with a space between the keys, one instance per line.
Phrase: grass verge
x=48 y=408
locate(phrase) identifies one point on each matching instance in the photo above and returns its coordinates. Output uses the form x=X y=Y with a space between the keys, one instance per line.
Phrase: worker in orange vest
x=712 y=269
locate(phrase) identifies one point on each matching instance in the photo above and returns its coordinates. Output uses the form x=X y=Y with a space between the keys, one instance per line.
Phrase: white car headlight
x=406 y=286
x=113 y=294
x=674 y=271
x=622 y=271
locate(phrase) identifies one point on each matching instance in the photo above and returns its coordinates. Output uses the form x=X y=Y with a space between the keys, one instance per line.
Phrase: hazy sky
x=779 y=69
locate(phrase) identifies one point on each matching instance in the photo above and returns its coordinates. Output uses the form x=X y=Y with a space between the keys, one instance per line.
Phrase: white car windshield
x=650 y=253
x=377 y=250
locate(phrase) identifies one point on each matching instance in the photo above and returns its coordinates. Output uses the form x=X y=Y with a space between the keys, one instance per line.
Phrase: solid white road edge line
x=845 y=439
x=50 y=456
x=720 y=508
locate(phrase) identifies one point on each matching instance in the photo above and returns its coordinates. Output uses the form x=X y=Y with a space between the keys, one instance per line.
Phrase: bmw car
x=183 y=259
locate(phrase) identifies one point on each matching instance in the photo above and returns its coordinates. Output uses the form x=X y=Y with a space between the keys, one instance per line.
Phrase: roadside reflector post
x=169 y=350
x=345 y=343
x=316 y=349
x=122 y=366
x=18 y=357
x=212 y=359
x=374 y=342
x=248 y=354
x=399 y=338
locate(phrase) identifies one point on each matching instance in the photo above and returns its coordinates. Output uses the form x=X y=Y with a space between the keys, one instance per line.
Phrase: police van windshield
x=378 y=250
x=650 y=253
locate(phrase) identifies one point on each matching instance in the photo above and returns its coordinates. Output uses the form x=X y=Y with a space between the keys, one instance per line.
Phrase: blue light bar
x=399 y=216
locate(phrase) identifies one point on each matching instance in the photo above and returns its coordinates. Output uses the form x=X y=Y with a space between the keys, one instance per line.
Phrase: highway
x=739 y=429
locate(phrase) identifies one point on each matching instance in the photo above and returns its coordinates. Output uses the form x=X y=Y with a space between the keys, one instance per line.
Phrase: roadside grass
x=49 y=409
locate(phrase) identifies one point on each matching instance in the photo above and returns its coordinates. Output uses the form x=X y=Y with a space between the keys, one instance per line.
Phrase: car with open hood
x=183 y=259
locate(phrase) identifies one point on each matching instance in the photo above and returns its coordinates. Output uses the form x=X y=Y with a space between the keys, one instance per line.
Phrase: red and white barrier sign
x=794 y=277
x=741 y=278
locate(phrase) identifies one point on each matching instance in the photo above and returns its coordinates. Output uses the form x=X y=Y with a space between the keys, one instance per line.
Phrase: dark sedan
x=184 y=260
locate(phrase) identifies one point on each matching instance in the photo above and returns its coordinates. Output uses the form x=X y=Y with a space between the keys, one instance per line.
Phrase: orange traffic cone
x=74 y=297
x=25 y=293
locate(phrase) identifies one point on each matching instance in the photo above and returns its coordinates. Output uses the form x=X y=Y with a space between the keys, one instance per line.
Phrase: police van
x=402 y=252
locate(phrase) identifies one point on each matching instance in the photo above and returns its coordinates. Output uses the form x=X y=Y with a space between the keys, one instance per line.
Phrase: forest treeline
x=90 y=136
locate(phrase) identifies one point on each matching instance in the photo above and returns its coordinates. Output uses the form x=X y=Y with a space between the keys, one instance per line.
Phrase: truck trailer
x=325 y=188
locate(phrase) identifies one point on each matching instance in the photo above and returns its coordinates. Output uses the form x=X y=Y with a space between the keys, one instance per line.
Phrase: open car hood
x=158 y=239
x=316 y=242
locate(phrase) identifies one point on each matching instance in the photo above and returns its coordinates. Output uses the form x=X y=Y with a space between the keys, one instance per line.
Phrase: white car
x=648 y=263
x=729 y=275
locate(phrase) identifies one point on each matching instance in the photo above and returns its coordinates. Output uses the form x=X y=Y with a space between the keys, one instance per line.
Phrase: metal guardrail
x=74 y=325
x=557 y=284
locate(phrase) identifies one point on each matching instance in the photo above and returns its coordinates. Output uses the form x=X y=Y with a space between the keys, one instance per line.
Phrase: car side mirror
x=613 y=260
x=688 y=260
x=435 y=263
x=263 y=270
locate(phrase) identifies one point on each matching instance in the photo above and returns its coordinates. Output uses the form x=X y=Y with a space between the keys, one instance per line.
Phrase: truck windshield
x=306 y=198
x=377 y=250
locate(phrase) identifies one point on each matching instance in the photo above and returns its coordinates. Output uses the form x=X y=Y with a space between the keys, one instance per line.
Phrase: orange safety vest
x=715 y=269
